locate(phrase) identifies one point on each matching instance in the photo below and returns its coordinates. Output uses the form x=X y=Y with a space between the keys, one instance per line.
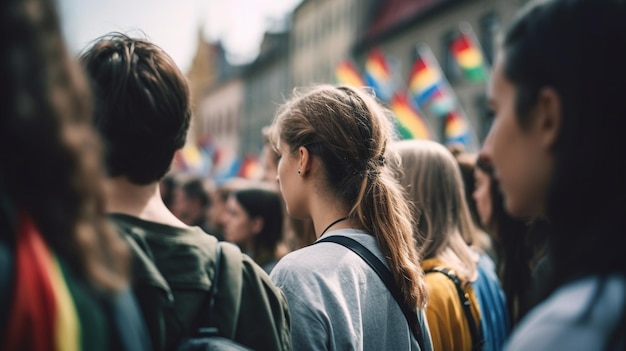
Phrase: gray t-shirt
x=337 y=302
x=578 y=316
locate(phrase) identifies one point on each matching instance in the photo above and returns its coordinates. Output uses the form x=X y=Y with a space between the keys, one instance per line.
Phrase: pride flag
x=457 y=129
x=410 y=124
x=43 y=314
x=193 y=160
x=250 y=168
x=468 y=55
x=346 y=73
x=378 y=75
x=425 y=78
x=442 y=102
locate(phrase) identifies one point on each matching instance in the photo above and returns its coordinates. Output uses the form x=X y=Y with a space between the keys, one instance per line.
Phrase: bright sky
x=174 y=24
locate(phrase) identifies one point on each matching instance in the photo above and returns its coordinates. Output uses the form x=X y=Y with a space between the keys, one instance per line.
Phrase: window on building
x=449 y=65
x=489 y=26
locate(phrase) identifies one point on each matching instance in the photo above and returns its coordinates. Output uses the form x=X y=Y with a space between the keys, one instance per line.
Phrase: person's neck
x=324 y=213
x=142 y=201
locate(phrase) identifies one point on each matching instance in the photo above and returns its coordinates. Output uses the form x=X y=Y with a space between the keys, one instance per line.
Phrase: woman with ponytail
x=332 y=170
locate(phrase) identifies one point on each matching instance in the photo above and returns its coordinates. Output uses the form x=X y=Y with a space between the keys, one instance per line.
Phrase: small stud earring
x=299 y=171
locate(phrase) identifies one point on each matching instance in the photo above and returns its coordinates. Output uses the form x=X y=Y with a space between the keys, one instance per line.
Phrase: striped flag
x=378 y=75
x=424 y=80
x=457 y=129
x=468 y=55
x=346 y=73
x=428 y=86
x=43 y=315
x=250 y=168
x=410 y=124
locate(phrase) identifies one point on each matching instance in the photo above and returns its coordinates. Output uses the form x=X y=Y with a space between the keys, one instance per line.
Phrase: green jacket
x=173 y=269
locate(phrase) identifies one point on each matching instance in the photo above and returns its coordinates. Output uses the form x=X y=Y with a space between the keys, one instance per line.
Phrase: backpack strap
x=228 y=296
x=7 y=273
x=207 y=325
x=475 y=330
x=158 y=310
x=385 y=275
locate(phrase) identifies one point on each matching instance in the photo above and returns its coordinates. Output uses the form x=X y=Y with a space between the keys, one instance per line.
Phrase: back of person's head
x=50 y=169
x=142 y=107
x=196 y=190
x=267 y=205
x=467 y=162
x=348 y=131
x=431 y=176
x=577 y=48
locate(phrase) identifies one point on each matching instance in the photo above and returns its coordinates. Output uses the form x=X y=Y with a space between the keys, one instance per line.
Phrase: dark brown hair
x=50 y=155
x=142 y=106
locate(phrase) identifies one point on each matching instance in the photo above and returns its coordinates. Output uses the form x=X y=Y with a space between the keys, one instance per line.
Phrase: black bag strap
x=385 y=275
x=475 y=330
x=207 y=327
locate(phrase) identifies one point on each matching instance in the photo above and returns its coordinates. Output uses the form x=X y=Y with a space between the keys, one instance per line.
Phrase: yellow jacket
x=448 y=325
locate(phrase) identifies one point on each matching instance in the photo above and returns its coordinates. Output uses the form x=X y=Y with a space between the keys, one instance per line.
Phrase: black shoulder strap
x=385 y=275
x=475 y=330
x=7 y=274
x=207 y=326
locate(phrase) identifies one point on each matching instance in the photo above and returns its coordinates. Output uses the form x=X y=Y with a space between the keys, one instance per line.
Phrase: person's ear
x=257 y=225
x=548 y=117
x=304 y=165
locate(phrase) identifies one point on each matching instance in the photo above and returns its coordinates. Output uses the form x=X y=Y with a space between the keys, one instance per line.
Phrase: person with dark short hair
x=142 y=113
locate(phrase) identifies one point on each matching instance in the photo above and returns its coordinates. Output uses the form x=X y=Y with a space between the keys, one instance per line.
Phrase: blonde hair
x=444 y=227
x=348 y=131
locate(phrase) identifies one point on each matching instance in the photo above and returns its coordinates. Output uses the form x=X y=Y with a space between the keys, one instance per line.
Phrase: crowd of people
x=352 y=239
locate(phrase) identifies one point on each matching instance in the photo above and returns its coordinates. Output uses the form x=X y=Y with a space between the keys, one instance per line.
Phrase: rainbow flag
x=468 y=55
x=250 y=168
x=378 y=75
x=457 y=129
x=43 y=315
x=410 y=124
x=346 y=73
x=442 y=102
x=193 y=160
x=425 y=79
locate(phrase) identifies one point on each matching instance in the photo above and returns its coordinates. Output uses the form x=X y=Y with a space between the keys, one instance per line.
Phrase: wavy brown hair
x=430 y=174
x=50 y=155
x=348 y=131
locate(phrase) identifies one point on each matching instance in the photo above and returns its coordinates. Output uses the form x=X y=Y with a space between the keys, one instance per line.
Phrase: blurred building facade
x=323 y=33
x=234 y=103
x=266 y=86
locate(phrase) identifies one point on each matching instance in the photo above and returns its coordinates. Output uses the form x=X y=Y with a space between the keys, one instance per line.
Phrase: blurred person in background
x=167 y=188
x=467 y=163
x=216 y=211
x=467 y=307
x=254 y=221
x=64 y=271
x=143 y=113
x=192 y=201
x=556 y=146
